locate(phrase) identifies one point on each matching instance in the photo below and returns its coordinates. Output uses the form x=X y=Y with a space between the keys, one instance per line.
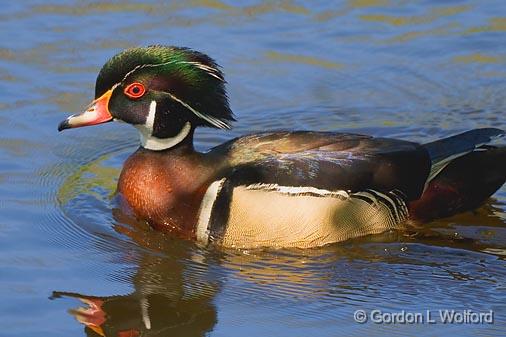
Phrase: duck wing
x=327 y=160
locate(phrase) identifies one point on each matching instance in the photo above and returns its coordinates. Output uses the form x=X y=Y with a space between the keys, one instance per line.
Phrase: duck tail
x=466 y=170
x=444 y=151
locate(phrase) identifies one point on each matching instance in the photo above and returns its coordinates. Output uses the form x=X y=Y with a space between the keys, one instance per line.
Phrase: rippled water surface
x=72 y=265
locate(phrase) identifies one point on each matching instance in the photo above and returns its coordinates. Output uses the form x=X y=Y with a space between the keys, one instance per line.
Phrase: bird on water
x=280 y=188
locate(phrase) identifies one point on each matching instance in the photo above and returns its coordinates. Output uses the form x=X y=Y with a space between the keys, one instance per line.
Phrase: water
x=416 y=70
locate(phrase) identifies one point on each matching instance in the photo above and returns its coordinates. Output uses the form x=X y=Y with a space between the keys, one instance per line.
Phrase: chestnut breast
x=165 y=189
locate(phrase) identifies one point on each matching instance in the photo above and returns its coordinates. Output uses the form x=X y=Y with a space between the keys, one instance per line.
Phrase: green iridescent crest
x=192 y=77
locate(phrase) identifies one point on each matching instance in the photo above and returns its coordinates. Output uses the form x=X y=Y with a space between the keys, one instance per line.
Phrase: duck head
x=165 y=92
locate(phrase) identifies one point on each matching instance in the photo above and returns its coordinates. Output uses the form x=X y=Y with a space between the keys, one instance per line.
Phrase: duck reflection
x=175 y=282
x=173 y=294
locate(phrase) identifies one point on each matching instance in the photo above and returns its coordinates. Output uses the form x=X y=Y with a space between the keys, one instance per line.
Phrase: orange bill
x=97 y=113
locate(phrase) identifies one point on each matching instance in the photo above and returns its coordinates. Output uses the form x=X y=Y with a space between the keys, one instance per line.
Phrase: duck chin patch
x=150 y=142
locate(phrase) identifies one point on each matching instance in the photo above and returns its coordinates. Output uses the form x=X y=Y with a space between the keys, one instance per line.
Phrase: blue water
x=415 y=70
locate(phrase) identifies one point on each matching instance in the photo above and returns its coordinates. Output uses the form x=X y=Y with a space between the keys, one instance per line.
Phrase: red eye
x=135 y=90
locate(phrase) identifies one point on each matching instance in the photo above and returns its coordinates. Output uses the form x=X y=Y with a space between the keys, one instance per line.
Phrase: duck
x=287 y=188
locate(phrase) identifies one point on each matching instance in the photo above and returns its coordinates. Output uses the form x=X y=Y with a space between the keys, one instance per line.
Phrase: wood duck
x=283 y=188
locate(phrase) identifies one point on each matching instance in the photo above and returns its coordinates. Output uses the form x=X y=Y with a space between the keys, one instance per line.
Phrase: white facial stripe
x=148 y=141
x=213 y=120
x=209 y=70
x=140 y=66
x=206 y=208
x=150 y=120
x=132 y=71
